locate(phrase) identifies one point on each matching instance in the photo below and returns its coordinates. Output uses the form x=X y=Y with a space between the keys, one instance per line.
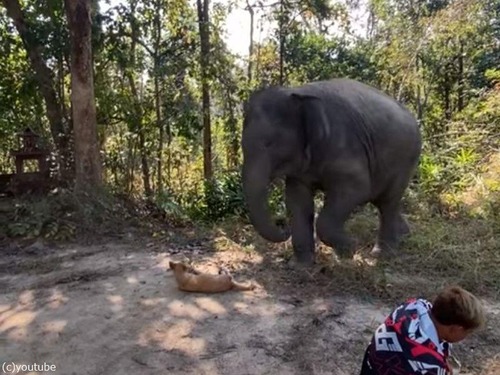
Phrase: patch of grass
x=234 y=234
x=463 y=251
x=354 y=276
x=439 y=251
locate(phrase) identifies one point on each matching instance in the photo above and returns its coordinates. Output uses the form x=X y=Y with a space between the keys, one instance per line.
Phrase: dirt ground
x=114 y=308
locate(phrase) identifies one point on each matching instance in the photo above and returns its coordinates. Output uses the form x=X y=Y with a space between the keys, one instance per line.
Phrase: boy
x=415 y=338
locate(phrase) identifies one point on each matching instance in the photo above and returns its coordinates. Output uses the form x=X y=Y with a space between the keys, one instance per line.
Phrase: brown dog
x=190 y=280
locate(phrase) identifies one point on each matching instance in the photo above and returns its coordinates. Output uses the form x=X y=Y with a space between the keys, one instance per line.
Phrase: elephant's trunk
x=256 y=180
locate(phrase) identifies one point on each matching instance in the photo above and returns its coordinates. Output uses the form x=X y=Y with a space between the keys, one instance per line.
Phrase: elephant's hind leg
x=404 y=228
x=390 y=230
x=393 y=226
x=300 y=204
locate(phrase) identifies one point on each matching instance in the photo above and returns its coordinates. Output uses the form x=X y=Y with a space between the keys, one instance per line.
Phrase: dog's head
x=177 y=266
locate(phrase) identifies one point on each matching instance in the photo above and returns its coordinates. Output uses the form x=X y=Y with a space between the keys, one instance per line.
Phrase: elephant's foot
x=345 y=248
x=343 y=244
x=302 y=273
x=304 y=258
x=384 y=249
x=388 y=246
x=300 y=264
x=335 y=238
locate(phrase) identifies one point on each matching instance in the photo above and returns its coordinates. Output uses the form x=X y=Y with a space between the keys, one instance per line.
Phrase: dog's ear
x=172 y=265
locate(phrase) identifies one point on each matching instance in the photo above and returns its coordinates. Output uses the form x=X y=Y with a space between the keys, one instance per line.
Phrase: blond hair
x=456 y=306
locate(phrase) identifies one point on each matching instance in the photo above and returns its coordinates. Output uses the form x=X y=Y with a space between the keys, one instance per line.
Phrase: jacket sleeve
x=423 y=368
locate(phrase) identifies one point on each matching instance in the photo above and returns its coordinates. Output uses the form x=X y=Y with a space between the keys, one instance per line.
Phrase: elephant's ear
x=314 y=121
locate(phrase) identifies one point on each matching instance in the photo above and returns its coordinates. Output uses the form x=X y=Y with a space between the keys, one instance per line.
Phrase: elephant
x=340 y=136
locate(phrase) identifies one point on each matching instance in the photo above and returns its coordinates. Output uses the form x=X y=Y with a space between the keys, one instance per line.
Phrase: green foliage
x=452 y=169
x=216 y=201
x=167 y=203
x=223 y=198
x=312 y=56
x=430 y=175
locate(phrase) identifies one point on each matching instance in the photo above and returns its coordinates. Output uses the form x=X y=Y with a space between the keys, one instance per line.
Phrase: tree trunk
x=370 y=24
x=144 y=165
x=88 y=169
x=447 y=96
x=159 y=124
x=257 y=55
x=203 y=23
x=138 y=110
x=232 y=139
x=461 y=101
x=250 y=46
x=282 y=44
x=44 y=78
x=138 y=128
x=419 y=91
x=130 y=166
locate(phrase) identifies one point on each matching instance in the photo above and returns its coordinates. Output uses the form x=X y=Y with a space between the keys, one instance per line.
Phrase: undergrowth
x=64 y=215
x=451 y=244
x=439 y=251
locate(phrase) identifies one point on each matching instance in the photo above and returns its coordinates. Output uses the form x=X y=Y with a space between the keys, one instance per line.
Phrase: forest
x=140 y=106
x=169 y=93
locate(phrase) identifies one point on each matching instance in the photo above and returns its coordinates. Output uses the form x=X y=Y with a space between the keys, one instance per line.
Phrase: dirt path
x=112 y=309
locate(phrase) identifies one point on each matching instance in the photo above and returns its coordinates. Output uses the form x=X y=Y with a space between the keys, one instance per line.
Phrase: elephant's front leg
x=300 y=205
x=331 y=222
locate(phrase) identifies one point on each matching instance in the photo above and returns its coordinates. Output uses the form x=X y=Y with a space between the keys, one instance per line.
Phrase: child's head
x=458 y=313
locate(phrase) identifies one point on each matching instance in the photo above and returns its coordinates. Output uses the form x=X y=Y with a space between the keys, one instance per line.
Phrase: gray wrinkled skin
x=343 y=137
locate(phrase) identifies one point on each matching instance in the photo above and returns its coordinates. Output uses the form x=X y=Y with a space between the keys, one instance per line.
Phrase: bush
x=220 y=199
x=62 y=215
x=455 y=163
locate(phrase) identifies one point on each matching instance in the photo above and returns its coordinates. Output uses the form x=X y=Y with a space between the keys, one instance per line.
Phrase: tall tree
x=158 y=100
x=138 y=117
x=281 y=31
x=88 y=169
x=204 y=23
x=251 y=11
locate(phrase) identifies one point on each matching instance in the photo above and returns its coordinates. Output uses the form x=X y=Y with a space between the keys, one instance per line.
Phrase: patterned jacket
x=407 y=343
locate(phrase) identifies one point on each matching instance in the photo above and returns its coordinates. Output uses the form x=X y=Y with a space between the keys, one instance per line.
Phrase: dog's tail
x=240 y=286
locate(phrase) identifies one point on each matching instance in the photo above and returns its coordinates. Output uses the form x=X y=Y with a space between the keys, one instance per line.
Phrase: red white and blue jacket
x=407 y=343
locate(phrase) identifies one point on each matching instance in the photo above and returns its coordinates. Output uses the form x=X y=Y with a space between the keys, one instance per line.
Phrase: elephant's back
x=356 y=93
x=367 y=106
x=383 y=128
